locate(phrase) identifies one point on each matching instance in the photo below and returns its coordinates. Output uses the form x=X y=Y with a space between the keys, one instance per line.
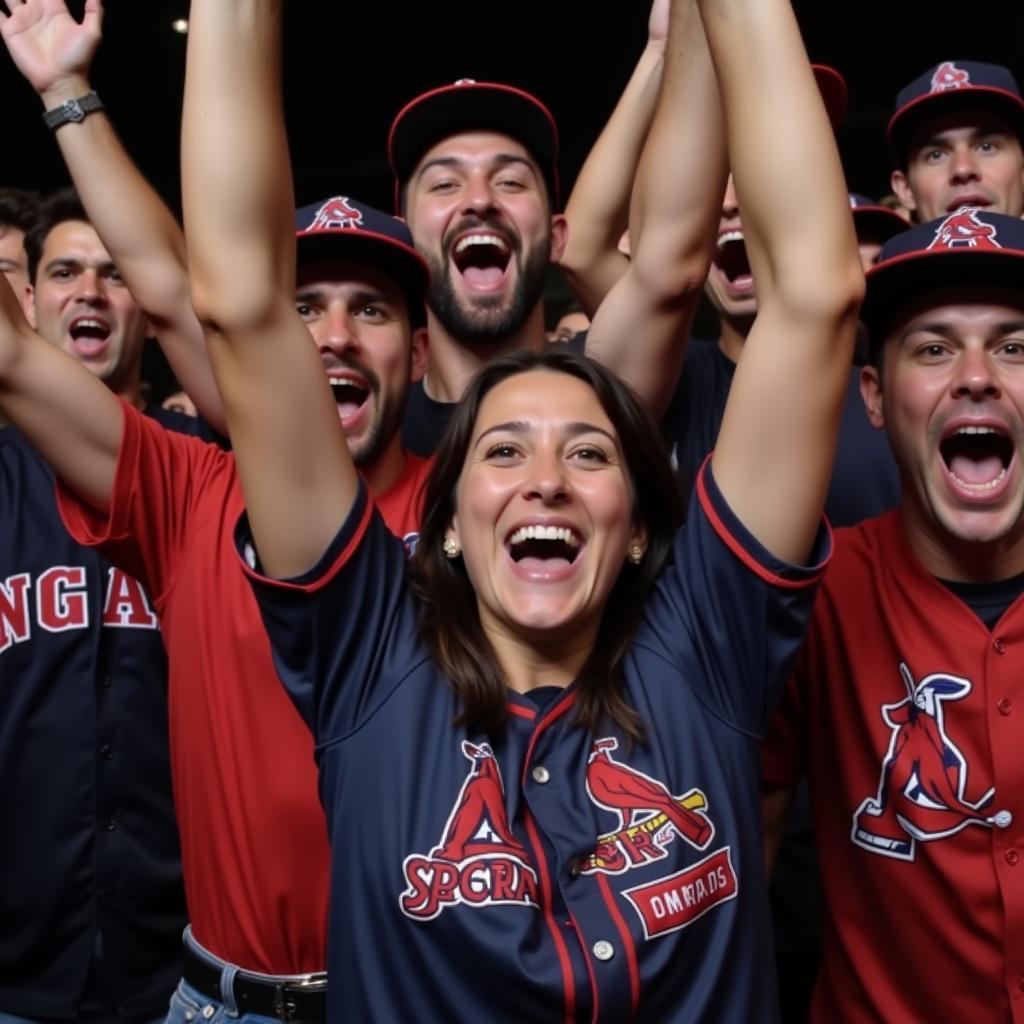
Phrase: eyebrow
x=71 y=262
x=948 y=331
x=500 y=159
x=573 y=429
x=363 y=296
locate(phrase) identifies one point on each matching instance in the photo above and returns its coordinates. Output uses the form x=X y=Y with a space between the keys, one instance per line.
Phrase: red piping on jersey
x=561 y=706
x=568 y=984
x=739 y=551
x=586 y=959
x=526 y=713
x=627 y=942
x=325 y=577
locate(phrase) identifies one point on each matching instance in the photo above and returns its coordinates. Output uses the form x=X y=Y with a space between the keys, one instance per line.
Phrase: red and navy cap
x=473 y=106
x=969 y=246
x=954 y=85
x=875 y=221
x=832 y=87
x=342 y=228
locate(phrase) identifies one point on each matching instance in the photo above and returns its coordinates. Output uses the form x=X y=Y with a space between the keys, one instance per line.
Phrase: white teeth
x=561 y=533
x=975 y=430
x=495 y=240
x=730 y=236
x=981 y=487
x=90 y=323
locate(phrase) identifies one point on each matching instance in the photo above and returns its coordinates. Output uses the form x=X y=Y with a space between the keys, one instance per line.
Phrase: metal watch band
x=73 y=111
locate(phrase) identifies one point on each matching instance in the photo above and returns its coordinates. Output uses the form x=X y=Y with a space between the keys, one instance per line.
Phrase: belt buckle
x=284 y=1008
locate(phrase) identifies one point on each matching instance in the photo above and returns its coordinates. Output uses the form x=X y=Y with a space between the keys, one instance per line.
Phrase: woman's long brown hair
x=450 y=623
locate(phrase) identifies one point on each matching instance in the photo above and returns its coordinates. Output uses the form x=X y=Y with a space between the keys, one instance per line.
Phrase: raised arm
x=598 y=209
x=54 y=53
x=775 y=448
x=641 y=328
x=72 y=419
x=294 y=464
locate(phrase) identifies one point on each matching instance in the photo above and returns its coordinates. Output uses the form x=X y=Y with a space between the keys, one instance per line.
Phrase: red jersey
x=908 y=715
x=253 y=838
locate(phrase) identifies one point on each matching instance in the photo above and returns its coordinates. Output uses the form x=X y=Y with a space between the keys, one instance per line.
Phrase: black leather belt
x=297 y=1001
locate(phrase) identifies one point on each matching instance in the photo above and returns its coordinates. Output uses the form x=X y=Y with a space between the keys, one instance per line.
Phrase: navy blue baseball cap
x=949 y=86
x=468 y=105
x=970 y=246
x=872 y=219
x=342 y=228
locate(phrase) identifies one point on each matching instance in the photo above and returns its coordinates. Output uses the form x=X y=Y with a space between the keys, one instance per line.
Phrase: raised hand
x=51 y=49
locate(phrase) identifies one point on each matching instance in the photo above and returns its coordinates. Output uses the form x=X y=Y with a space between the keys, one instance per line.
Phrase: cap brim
x=878 y=222
x=897 y=281
x=832 y=87
x=480 y=106
x=908 y=118
x=401 y=262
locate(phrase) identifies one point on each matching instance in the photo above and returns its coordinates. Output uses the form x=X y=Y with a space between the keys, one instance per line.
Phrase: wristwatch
x=73 y=110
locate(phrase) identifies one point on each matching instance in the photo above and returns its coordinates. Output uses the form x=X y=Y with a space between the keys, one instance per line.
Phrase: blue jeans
x=189 y=1006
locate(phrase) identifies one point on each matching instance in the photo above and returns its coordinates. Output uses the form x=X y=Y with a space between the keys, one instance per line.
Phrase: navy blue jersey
x=89 y=842
x=544 y=873
x=865 y=480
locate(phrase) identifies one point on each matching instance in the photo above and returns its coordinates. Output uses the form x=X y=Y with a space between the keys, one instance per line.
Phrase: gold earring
x=635 y=553
x=451 y=547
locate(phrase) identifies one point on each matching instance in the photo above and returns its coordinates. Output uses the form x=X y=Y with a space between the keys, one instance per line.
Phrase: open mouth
x=978 y=458
x=89 y=335
x=350 y=395
x=731 y=258
x=482 y=258
x=544 y=544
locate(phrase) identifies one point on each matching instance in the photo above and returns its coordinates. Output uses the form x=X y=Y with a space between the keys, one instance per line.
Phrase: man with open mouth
x=903 y=705
x=956 y=136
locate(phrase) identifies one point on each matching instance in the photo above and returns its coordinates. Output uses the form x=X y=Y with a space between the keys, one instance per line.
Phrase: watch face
x=73 y=110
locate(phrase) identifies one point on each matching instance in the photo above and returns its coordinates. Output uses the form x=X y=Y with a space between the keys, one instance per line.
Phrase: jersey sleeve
x=160 y=474
x=730 y=614
x=344 y=633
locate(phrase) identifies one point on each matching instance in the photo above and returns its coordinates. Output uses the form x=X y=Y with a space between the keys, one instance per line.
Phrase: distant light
x=180 y=25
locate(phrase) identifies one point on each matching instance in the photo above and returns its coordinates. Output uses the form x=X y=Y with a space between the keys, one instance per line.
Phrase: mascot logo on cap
x=336 y=213
x=948 y=76
x=963 y=230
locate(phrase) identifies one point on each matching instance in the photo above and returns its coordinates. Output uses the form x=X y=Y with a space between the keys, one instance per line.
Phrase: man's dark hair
x=18 y=208
x=450 y=625
x=54 y=209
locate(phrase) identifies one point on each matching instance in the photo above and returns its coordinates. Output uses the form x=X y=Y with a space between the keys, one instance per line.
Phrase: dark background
x=349 y=68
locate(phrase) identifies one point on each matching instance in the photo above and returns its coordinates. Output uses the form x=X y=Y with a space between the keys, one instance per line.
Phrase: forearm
x=673 y=221
x=67 y=413
x=236 y=179
x=797 y=228
x=598 y=208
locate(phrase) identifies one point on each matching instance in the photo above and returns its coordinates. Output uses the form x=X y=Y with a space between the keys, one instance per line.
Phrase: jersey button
x=1012 y=856
x=109 y=824
x=541 y=774
x=999 y=645
x=1004 y=706
x=1003 y=819
x=603 y=949
x=106 y=751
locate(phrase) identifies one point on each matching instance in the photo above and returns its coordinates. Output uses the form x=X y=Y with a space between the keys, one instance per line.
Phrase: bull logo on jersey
x=963 y=230
x=948 y=76
x=336 y=213
x=649 y=819
x=922 y=791
x=478 y=862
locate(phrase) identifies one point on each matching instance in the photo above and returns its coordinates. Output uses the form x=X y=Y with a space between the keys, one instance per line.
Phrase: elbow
x=832 y=299
x=671 y=281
